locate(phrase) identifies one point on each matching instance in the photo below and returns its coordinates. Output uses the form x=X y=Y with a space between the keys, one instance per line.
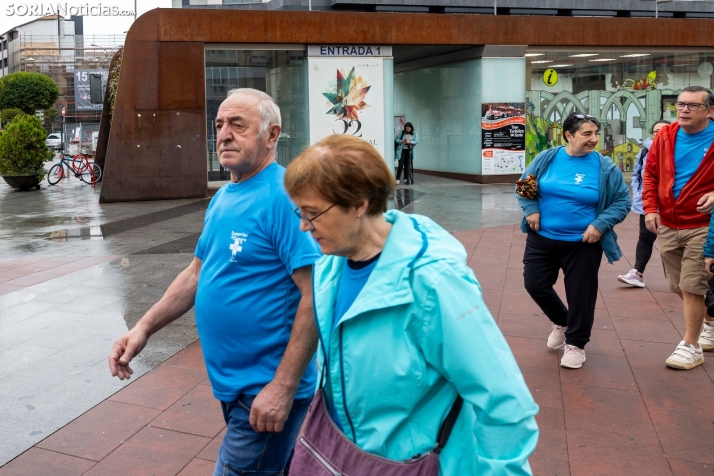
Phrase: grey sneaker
x=633 y=278
x=573 y=357
x=685 y=357
x=706 y=338
x=556 y=339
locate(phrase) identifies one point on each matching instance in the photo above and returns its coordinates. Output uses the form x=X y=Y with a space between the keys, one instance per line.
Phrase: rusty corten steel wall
x=157 y=144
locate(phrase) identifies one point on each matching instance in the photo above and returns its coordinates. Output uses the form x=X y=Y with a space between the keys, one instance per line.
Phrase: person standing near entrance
x=581 y=197
x=250 y=281
x=677 y=199
x=646 y=240
x=406 y=142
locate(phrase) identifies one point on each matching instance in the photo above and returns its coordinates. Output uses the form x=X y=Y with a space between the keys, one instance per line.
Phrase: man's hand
x=125 y=349
x=271 y=408
x=653 y=223
x=534 y=221
x=708 y=262
x=591 y=235
x=706 y=203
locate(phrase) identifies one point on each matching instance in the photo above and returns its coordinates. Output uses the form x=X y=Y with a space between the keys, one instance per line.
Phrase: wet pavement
x=76 y=274
x=623 y=413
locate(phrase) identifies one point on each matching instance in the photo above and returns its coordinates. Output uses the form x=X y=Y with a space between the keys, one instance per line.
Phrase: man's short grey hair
x=709 y=102
x=269 y=111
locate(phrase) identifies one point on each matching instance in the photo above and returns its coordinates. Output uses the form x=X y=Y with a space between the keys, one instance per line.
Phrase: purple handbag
x=323 y=450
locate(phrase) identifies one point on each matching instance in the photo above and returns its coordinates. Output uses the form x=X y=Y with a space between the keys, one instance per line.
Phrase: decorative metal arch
x=563 y=96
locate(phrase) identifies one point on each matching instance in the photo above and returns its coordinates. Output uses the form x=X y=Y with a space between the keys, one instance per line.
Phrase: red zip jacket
x=658 y=179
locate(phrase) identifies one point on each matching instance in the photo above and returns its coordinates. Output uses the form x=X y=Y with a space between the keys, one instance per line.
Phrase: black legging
x=643 y=251
x=405 y=162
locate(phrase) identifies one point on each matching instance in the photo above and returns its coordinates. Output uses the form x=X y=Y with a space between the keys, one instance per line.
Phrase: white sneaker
x=573 y=358
x=685 y=357
x=556 y=339
x=706 y=338
x=398 y=182
x=633 y=278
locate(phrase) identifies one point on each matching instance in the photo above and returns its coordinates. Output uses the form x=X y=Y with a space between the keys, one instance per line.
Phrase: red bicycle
x=88 y=172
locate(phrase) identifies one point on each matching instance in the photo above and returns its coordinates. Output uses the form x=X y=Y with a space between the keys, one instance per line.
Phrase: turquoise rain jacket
x=418 y=333
x=398 y=146
x=613 y=202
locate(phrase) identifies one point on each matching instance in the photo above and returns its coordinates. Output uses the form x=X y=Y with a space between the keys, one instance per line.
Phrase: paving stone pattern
x=623 y=413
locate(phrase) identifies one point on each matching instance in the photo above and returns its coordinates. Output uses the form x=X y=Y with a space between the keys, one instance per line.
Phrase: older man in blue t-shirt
x=250 y=281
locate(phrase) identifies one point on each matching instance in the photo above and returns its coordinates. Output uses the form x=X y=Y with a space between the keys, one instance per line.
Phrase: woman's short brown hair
x=344 y=170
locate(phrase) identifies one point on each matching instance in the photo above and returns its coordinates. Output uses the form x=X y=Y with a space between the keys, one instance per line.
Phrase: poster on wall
x=503 y=138
x=347 y=97
x=82 y=96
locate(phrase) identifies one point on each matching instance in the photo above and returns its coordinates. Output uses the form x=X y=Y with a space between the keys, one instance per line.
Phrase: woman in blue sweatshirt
x=581 y=197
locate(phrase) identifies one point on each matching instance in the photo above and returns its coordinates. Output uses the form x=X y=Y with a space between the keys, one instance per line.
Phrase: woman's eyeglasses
x=309 y=221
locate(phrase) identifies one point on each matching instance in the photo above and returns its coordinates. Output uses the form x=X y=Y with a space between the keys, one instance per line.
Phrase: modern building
x=602 y=8
x=57 y=47
x=485 y=92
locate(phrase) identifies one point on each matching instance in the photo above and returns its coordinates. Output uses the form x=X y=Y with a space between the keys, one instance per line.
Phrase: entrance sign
x=348 y=50
x=503 y=138
x=347 y=97
x=550 y=77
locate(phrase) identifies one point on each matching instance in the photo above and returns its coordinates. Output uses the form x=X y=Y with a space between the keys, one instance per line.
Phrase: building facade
x=57 y=47
x=485 y=93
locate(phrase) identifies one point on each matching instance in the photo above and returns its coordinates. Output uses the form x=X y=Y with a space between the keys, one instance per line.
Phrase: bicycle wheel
x=55 y=174
x=91 y=174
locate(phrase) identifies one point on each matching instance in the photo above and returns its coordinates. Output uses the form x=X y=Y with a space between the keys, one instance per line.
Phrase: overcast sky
x=97 y=25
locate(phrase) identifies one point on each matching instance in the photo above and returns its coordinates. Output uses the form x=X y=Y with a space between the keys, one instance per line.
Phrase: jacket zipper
x=319 y=333
x=326 y=464
x=344 y=396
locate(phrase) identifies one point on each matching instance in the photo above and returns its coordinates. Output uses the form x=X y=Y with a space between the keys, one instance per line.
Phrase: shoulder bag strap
x=448 y=424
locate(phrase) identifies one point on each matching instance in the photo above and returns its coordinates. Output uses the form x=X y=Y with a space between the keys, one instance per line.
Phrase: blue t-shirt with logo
x=568 y=196
x=689 y=151
x=246 y=299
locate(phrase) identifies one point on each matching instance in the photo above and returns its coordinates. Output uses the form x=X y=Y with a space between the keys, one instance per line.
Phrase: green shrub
x=7 y=115
x=28 y=92
x=22 y=147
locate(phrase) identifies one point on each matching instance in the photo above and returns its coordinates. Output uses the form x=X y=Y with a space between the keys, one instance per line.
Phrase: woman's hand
x=708 y=262
x=534 y=221
x=591 y=235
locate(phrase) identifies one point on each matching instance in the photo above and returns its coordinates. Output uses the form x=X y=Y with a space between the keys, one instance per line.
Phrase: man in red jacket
x=677 y=199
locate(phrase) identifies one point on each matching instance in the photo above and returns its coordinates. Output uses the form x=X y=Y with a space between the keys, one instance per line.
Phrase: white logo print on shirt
x=579 y=178
x=237 y=245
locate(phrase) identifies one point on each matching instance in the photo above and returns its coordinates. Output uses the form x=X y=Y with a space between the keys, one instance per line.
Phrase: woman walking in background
x=569 y=220
x=646 y=240
x=404 y=153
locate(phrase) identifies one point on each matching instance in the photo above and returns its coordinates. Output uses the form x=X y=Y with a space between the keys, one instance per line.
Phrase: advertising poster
x=503 y=138
x=347 y=97
x=82 y=98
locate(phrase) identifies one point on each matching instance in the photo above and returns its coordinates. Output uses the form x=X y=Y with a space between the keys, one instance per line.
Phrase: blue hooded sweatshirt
x=613 y=203
x=418 y=334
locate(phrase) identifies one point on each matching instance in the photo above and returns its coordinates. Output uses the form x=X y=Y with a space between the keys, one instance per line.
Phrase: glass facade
x=628 y=91
x=281 y=74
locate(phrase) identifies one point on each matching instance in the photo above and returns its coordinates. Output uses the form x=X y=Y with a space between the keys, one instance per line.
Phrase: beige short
x=681 y=253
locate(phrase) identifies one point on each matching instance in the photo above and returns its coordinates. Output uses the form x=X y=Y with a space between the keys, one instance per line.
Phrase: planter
x=22 y=182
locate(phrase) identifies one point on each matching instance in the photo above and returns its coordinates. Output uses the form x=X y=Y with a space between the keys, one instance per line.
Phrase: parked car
x=54 y=141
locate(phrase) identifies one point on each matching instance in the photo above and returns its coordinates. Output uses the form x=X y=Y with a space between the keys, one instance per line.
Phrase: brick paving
x=623 y=413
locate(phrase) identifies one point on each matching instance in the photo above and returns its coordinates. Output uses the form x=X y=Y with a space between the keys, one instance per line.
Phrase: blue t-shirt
x=569 y=194
x=352 y=280
x=689 y=150
x=246 y=299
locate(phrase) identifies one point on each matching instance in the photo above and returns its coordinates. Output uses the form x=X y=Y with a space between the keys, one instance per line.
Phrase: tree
x=28 y=92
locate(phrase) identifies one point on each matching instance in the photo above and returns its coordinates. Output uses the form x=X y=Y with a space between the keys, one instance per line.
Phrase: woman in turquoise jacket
x=402 y=323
